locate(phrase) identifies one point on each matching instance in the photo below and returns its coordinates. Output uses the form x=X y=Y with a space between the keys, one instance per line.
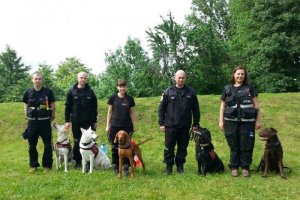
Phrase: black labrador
x=207 y=158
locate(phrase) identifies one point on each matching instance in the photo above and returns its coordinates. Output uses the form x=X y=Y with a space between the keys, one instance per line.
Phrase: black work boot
x=180 y=169
x=169 y=170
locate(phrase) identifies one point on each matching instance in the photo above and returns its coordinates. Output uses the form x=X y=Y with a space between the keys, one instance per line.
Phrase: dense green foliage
x=263 y=35
x=267 y=33
x=280 y=111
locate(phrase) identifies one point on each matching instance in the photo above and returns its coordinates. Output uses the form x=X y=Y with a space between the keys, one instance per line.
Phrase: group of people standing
x=178 y=112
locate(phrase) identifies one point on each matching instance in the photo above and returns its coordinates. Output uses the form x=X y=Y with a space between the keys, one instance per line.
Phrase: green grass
x=280 y=111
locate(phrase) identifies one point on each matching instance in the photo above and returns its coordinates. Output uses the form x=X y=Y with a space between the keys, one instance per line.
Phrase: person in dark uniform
x=81 y=110
x=239 y=117
x=120 y=116
x=178 y=105
x=39 y=107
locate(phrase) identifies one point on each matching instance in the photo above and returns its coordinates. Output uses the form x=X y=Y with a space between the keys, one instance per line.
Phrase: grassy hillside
x=280 y=111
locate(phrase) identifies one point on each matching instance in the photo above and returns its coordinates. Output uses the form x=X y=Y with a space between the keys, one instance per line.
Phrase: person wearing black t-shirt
x=178 y=108
x=120 y=116
x=239 y=117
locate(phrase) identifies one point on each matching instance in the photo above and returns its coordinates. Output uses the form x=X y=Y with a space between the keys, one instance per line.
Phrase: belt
x=39 y=118
x=242 y=119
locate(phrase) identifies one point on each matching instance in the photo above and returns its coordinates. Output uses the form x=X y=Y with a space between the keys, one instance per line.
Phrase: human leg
x=183 y=139
x=46 y=135
x=32 y=142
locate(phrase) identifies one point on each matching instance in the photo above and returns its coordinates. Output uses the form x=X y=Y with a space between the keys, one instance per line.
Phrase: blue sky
x=48 y=31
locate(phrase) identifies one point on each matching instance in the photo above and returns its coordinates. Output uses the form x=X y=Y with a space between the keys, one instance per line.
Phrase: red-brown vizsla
x=128 y=149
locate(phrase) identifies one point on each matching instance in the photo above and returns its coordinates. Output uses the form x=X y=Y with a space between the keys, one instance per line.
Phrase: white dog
x=63 y=147
x=90 y=152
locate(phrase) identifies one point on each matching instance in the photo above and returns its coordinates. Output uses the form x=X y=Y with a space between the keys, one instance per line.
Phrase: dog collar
x=126 y=147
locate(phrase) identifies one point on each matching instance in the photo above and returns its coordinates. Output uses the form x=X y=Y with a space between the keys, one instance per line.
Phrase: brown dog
x=273 y=154
x=128 y=149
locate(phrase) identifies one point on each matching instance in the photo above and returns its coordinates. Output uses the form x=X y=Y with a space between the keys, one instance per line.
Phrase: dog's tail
x=142 y=142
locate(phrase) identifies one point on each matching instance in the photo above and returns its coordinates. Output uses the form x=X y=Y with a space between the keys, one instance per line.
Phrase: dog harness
x=93 y=148
x=64 y=145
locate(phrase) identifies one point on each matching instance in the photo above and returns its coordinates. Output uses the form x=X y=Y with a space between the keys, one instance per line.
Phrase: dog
x=128 y=149
x=63 y=148
x=272 y=159
x=90 y=153
x=207 y=159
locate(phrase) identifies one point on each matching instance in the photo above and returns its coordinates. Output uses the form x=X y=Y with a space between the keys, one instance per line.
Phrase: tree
x=66 y=75
x=207 y=35
x=168 y=45
x=271 y=38
x=14 y=76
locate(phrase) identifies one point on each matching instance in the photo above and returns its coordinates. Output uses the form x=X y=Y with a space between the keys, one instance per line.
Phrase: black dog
x=273 y=153
x=208 y=160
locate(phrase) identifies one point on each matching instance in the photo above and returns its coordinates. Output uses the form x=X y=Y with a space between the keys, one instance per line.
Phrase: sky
x=49 y=31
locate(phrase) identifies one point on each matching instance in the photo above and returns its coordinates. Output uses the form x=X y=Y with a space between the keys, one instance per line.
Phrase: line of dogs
x=207 y=159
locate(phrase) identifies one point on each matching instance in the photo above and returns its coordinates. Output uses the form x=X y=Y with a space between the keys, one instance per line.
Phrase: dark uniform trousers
x=181 y=137
x=114 y=146
x=77 y=135
x=240 y=137
x=41 y=128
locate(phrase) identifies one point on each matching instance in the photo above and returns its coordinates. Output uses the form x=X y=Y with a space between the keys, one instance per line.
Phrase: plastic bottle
x=103 y=148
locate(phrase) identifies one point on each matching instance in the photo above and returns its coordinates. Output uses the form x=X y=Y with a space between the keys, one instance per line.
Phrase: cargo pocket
x=230 y=128
x=249 y=113
x=230 y=113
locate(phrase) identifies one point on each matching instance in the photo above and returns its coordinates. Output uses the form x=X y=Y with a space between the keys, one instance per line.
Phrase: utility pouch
x=248 y=113
x=230 y=112
x=43 y=113
x=30 y=112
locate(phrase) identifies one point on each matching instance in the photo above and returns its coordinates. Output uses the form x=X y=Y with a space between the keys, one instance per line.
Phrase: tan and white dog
x=90 y=153
x=63 y=148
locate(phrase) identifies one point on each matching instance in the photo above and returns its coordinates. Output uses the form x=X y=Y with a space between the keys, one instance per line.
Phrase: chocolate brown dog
x=273 y=153
x=128 y=149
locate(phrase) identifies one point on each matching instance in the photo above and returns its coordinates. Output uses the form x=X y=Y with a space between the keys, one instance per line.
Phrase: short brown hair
x=121 y=83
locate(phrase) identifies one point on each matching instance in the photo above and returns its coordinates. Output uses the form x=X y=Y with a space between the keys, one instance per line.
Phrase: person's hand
x=67 y=125
x=194 y=128
x=257 y=124
x=95 y=126
x=162 y=128
x=221 y=125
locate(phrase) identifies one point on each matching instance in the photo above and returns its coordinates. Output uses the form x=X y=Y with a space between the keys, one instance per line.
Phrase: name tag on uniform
x=172 y=97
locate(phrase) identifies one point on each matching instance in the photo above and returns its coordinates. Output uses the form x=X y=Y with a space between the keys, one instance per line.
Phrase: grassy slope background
x=280 y=111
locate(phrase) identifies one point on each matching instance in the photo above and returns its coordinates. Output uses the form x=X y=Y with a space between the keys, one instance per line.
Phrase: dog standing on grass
x=90 y=152
x=272 y=159
x=207 y=158
x=128 y=149
x=63 y=148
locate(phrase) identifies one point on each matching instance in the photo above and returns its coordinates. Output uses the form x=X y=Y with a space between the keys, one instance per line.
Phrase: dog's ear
x=273 y=130
x=128 y=140
x=116 y=138
x=82 y=130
